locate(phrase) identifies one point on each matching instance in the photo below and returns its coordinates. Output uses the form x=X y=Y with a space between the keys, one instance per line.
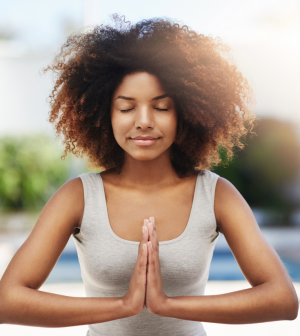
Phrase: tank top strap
x=204 y=220
x=206 y=187
x=92 y=187
x=94 y=202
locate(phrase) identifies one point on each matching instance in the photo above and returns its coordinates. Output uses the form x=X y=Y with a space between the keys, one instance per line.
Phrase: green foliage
x=268 y=163
x=31 y=170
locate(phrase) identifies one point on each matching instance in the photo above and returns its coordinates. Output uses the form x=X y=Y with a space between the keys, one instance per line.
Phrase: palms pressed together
x=146 y=286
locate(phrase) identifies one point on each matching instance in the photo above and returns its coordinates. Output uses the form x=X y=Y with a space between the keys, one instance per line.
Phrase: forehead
x=140 y=85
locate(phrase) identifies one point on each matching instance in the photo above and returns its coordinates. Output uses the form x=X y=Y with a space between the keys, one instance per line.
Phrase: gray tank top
x=107 y=260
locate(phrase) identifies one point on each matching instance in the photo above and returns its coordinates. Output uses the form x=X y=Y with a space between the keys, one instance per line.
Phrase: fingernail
x=150 y=244
x=151 y=219
x=145 y=221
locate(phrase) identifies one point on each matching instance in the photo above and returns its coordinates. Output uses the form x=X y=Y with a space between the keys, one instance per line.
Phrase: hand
x=155 y=296
x=134 y=299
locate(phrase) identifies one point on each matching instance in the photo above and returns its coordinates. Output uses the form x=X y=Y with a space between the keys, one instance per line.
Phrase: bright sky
x=264 y=35
x=234 y=20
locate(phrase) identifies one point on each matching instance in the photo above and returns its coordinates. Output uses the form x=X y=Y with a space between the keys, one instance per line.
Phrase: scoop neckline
x=132 y=242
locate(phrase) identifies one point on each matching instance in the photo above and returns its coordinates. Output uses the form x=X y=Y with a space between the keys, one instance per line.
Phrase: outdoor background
x=264 y=37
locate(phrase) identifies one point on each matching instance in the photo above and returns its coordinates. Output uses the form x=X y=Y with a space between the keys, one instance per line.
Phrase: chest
x=107 y=261
x=170 y=207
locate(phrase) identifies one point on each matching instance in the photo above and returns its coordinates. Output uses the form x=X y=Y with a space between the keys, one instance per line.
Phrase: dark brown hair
x=211 y=96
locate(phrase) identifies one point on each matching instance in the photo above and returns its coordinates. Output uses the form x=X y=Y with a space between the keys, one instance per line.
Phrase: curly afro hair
x=211 y=96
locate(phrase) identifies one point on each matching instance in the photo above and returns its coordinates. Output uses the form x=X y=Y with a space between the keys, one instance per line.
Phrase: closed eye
x=126 y=110
x=155 y=108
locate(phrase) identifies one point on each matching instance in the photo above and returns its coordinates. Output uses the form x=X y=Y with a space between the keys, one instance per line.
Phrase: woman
x=151 y=104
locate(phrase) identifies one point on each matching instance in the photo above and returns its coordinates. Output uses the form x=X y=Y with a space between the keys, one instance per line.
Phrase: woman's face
x=143 y=117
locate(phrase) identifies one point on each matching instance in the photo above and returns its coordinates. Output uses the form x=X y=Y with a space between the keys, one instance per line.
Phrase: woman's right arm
x=20 y=300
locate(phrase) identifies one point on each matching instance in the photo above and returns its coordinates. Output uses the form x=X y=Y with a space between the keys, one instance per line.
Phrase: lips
x=144 y=140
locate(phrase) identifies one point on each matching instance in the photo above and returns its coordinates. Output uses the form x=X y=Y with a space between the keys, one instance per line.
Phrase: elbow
x=293 y=308
x=283 y=303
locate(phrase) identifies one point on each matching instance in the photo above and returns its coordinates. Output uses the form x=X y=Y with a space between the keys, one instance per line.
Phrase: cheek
x=170 y=126
x=118 y=125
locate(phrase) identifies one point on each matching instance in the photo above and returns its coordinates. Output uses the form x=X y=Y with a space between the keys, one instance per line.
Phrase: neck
x=148 y=173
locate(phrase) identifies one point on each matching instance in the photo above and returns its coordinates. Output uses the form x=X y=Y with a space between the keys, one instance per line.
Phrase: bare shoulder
x=71 y=196
x=65 y=207
x=73 y=188
x=223 y=186
x=229 y=202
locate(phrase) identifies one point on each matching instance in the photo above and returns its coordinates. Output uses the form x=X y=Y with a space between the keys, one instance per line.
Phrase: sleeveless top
x=107 y=261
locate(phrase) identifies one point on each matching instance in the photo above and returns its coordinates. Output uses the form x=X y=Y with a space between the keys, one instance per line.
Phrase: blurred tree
x=262 y=170
x=31 y=170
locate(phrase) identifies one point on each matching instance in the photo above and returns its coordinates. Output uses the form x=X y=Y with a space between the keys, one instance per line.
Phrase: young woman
x=151 y=104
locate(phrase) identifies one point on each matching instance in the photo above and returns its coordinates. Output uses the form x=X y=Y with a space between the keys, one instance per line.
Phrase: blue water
x=223 y=267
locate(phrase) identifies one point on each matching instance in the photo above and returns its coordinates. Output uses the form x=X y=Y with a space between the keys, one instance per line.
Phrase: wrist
x=164 y=307
x=128 y=308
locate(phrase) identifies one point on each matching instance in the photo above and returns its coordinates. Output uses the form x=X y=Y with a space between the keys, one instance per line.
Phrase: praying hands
x=146 y=285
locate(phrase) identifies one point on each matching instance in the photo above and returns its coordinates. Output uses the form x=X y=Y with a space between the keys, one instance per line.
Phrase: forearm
x=258 y=304
x=27 y=306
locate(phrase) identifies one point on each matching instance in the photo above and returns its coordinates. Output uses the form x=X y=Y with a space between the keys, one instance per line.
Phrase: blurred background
x=265 y=40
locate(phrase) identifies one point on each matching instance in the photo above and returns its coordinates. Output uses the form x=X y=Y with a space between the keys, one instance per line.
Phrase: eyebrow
x=126 y=98
x=155 y=98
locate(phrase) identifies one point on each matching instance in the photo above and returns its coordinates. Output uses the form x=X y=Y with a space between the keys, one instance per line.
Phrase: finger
x=151 y=261
x=146 y=223
x=143 y=260
x=144 y=238
x=145 y=234
x=151 y=219
x=154 y=242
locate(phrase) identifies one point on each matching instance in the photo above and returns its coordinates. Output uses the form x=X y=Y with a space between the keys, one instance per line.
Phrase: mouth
x=144 y=140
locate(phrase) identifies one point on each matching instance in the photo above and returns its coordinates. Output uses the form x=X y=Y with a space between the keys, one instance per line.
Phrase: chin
x=144 y=156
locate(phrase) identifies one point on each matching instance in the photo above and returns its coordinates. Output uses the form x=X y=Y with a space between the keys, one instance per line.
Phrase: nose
x=144 y=118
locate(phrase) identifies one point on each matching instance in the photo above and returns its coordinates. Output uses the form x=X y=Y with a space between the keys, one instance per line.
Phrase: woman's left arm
x=272 y=296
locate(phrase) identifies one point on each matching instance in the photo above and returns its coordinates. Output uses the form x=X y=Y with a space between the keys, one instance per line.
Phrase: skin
x=147 y=181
